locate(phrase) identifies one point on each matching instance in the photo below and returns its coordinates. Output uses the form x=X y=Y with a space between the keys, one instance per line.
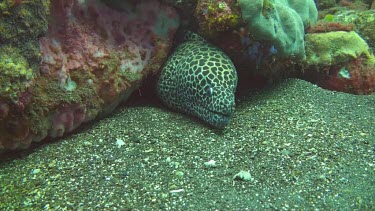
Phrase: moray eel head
x=199 y=79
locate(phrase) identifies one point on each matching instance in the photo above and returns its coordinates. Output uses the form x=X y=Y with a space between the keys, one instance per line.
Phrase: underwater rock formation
x=215 y=17
x=93 y=57
x=276 y=55
x=17 y=18
x=340 y=61
x=364 y=22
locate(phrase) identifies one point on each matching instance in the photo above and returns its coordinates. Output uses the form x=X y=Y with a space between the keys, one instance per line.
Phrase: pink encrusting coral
x=87 y=33
x=355 y=77
x=93 y=57
x=67 y=119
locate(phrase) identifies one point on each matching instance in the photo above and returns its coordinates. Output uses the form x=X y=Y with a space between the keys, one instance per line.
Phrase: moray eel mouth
x=222 y=120
x=218 y=119
x=228 y=113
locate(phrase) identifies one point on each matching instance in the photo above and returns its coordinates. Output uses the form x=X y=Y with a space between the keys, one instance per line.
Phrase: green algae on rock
x=336 y=47
x=16 y=75
x=21 y=25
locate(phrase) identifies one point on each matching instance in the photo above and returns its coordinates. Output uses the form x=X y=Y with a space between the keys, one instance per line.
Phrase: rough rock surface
x=93 y=57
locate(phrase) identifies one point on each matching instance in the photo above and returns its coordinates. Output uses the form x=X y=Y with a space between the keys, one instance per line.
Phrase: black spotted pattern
x=199 y=79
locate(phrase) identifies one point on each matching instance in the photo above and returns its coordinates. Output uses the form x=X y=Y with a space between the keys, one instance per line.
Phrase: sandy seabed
x=303 y=146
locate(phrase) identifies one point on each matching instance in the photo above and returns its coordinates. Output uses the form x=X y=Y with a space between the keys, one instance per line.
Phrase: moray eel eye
x=209 y=91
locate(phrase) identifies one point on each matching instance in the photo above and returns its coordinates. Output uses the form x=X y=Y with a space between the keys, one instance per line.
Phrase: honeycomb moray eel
x=199 y=79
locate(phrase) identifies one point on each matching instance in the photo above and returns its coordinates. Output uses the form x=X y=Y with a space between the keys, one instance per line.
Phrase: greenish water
x=304 y=147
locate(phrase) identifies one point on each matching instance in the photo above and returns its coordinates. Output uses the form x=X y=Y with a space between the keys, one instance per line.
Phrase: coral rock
x=340 y=61
x=93 y=57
